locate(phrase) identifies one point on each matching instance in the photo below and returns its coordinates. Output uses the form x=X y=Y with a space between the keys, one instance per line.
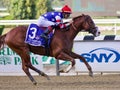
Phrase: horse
x=60 y=46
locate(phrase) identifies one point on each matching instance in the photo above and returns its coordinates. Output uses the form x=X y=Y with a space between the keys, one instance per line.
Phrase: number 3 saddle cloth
x=33 y=36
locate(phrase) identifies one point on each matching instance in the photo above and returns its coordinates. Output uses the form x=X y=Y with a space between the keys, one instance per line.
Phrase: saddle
x=33 y=37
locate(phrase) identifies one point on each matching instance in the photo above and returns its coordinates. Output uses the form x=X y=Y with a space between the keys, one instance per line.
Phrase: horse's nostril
x=99 y=33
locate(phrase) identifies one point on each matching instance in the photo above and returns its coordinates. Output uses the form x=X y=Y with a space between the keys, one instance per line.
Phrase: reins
x=74 y=26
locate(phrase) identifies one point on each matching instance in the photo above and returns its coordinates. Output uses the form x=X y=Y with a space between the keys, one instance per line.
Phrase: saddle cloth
x=33 y=36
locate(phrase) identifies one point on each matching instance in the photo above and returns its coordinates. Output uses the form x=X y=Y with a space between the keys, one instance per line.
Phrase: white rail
x=97 y=21
x=107 y=21
x=17 y=22
x=26 y=22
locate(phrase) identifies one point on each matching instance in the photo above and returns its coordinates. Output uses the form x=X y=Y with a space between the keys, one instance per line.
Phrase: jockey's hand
x=71 y=21
x=66 y=22
x=67 y=28
x=57 y=27
x=53 y=26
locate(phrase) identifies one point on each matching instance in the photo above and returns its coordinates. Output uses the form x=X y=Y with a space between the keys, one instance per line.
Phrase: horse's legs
x=26 y=70
x=74 y=55
x=38 y=71
x=27 y=64
x=65 y=56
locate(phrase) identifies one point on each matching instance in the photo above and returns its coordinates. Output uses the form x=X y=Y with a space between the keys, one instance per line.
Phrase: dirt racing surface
x=81 y=82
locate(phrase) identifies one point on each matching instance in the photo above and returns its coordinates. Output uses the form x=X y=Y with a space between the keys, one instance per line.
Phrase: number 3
x=34 y=30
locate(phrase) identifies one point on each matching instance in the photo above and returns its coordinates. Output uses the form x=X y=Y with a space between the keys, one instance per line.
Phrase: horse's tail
x=2 y=41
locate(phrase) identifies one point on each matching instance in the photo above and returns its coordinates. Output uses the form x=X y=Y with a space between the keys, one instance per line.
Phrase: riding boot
x=46 y=32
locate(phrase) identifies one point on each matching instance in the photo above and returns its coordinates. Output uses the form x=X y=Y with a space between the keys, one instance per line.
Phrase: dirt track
x=98 y=82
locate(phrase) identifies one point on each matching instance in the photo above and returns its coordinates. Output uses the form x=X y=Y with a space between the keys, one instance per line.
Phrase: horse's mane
x=80 y=16
x=73 y=19
x=77 y=17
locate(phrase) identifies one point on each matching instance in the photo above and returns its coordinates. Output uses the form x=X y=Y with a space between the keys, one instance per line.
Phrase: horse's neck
x=72 y=33
x=68 y=35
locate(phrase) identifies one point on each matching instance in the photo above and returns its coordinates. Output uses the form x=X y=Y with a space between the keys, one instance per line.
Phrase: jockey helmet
x=66 y=9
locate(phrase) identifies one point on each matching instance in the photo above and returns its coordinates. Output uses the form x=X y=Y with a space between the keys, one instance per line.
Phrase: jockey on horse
x=54 y=19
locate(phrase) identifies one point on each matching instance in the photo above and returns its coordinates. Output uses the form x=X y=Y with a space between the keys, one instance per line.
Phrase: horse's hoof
x=45 y=75
x=61 y=71
x=34 y=83
x=91 y=74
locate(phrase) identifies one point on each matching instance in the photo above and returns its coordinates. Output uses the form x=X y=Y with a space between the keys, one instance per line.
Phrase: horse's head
x=85 y=22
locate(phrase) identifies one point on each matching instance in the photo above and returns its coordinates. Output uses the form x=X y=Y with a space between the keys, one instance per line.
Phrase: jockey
x=54 y=19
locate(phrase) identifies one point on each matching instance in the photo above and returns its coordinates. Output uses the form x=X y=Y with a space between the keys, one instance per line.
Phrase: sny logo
x=102 y=55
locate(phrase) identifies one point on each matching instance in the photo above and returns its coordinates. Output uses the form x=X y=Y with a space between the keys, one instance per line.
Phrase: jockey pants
x=43 y=22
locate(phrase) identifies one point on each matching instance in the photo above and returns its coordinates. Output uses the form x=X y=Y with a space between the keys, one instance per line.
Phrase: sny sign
x=102 y=55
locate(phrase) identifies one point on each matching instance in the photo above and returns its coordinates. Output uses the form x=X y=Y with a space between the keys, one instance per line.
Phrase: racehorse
x=60 y=46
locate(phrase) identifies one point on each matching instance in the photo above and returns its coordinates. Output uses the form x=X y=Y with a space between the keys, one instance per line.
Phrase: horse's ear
x=83 y=14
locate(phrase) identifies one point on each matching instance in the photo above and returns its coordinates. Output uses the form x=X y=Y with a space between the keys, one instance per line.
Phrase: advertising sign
x=11 y=62
x=102 y=56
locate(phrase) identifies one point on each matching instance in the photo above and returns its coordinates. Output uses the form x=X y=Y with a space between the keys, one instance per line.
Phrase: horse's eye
x=91 y=22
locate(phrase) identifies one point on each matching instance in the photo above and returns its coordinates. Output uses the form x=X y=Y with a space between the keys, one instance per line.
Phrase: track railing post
x=57 y=68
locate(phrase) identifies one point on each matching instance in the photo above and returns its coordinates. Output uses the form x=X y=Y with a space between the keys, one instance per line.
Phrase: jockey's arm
x=60 y=24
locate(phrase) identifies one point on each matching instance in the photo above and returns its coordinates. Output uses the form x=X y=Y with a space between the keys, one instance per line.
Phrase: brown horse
x=60 y=47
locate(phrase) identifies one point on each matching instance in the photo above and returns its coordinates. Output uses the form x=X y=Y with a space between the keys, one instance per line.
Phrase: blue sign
x=100 y=57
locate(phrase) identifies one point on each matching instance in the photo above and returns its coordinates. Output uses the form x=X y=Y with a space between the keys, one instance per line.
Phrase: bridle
x=89 y=30
x=74 y=27
x=92 y=29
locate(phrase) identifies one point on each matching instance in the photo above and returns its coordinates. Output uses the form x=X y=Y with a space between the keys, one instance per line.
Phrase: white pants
x=42 y=22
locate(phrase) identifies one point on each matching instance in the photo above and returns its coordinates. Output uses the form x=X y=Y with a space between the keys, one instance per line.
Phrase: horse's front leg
x=65 y=56
x=76 y=56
